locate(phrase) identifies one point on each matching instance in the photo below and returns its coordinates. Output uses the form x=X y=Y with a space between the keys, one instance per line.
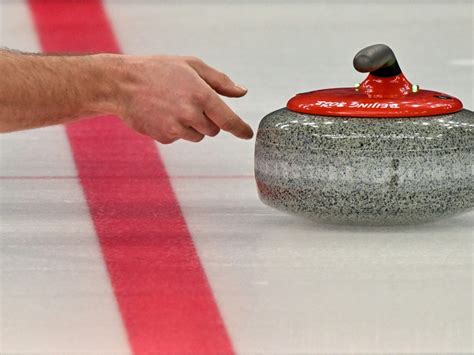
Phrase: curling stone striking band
x=382 y=153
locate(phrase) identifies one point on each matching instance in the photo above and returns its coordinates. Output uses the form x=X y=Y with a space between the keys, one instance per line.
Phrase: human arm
x=165 y=97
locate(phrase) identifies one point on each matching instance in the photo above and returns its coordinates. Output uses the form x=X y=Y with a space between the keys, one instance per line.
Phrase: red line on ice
x=164 y=298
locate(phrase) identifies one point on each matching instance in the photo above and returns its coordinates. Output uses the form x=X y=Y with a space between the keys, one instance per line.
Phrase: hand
x=170 y=98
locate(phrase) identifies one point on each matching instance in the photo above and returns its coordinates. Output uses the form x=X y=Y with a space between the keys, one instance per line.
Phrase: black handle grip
x=377 y=59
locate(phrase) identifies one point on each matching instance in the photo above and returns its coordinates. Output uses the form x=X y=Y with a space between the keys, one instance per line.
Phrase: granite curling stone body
x=382 y=153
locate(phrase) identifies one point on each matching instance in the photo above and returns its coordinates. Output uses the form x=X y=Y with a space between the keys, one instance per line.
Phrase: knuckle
x=174 y=131
x=222 y=78
x=197 y=139
x=187 y=115
x=214 y=131
x=165 y=139
x=221 y=81
x=200 y=96
x=229 y=124
x=159 y=139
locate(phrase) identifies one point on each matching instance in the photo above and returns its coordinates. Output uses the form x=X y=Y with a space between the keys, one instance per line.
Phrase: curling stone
x=384 y=152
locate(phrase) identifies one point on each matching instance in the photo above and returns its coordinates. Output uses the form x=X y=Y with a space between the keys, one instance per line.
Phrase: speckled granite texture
x=376 y=171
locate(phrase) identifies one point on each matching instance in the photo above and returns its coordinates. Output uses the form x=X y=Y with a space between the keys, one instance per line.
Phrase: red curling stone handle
x=386 y=92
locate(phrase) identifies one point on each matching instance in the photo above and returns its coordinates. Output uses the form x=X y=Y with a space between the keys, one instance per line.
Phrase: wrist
x=111 y=84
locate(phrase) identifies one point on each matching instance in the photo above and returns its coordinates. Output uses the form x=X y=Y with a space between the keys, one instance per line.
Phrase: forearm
x=37 y=90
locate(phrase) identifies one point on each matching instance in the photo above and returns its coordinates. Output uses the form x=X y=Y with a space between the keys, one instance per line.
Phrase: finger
x=226 y=119
x=163 y=139
x=190 y=134
x=205 y=126
x=219 y=81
